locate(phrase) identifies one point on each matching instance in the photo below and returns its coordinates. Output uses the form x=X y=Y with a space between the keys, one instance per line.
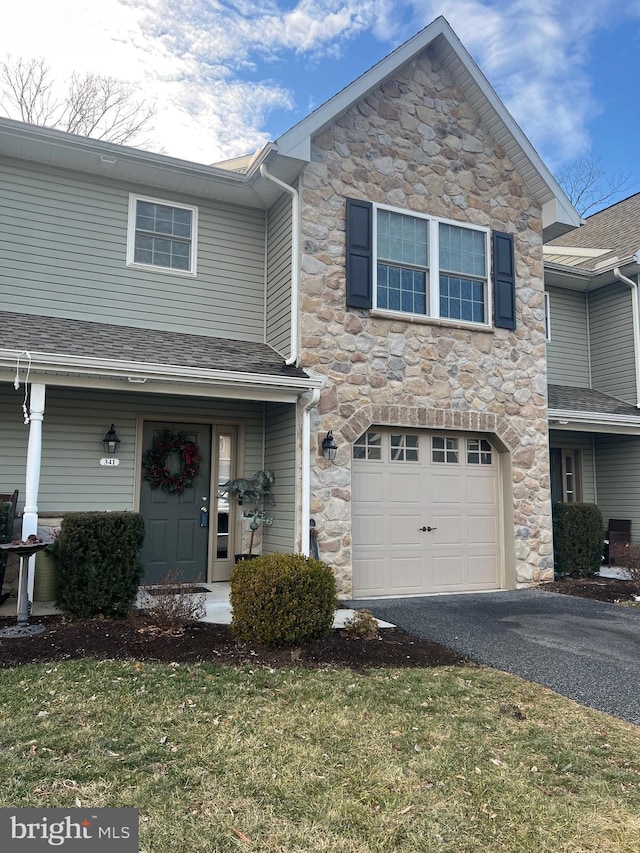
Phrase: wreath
x=154 y=462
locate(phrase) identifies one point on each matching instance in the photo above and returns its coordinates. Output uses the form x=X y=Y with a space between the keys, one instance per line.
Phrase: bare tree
x=92 y=105
x=588 y=185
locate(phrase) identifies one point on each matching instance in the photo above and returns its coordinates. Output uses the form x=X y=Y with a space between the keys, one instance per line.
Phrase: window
x=404 y=448
x=479 y=451
x=431 y=267
x=368 y=446
x=444 y=449
x=162 y=235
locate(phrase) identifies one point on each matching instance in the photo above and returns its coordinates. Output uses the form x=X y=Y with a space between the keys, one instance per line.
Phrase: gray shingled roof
x=565 y=398
x=84 y=339
x=616 y=228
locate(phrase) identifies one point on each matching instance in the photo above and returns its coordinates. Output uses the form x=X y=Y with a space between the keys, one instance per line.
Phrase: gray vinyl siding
x=618 y=469
x=611 y=333
x=63 y=240
x=280 y=457
x=568 y=349
x=279 y=276
x=582 y=441
x=74 y=423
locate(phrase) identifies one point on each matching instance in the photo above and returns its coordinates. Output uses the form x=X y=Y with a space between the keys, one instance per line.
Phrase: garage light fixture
x=111 y=440
x=329 y=447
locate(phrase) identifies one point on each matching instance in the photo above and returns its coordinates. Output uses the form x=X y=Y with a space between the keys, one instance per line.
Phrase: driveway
x=586 y=650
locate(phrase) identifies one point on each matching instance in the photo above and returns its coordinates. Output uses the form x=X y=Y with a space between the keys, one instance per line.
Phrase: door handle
x=427 y=529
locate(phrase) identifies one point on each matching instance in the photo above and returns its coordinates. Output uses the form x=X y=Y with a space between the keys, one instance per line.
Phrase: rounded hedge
x=282 y=599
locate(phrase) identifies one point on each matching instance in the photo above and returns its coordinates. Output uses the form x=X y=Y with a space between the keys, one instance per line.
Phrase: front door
x=176 y=529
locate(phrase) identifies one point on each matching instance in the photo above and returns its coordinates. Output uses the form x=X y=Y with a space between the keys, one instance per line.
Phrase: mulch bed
x=600 y=589
x=136 y=638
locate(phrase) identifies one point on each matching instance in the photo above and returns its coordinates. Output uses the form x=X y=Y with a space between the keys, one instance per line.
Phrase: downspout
x=295 y=258
x=310 y=400
x=636 y=325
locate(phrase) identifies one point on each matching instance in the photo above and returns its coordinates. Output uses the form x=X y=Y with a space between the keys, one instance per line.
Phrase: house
x=593 y=357
x=374 y=276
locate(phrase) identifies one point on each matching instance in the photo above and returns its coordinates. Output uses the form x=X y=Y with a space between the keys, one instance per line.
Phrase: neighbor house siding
x=618 y=460
x=279 y=276
x=568 y=349
x=63 y=241
x=611 y=333
x=280 y=457
x=74 y=423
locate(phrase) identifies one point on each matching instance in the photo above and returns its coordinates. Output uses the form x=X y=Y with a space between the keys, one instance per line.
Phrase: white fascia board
x=137 y=372
x=567 y=419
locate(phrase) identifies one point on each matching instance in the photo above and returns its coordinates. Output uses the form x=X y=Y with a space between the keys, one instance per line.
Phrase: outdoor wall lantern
x=329 y=447
x=111 y=441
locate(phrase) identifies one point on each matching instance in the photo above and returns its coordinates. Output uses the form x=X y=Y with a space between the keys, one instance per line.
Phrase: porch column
x=34 y=456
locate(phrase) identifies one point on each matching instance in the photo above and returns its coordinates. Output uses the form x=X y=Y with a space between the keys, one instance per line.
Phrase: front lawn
x=297 y=760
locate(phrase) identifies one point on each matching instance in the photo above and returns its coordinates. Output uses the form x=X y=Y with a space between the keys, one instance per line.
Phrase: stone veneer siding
x=416 y=144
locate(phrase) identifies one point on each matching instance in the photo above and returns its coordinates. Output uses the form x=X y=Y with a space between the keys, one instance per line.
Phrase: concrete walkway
x=586 y=650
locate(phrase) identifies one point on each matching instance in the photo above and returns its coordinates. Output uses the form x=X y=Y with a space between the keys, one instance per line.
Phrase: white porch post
x=34 y=456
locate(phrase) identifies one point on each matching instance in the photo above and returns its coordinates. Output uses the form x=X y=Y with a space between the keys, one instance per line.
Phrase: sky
x=226 y=76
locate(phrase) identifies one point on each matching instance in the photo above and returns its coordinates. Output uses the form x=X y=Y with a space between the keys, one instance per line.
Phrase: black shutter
x=504 y=281
x=359 y=272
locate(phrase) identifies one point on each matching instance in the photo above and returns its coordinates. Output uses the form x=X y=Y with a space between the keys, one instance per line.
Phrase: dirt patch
x=136 y=638
x=599 y=589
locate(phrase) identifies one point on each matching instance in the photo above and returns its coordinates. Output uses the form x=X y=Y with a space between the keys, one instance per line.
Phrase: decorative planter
x=44 y=584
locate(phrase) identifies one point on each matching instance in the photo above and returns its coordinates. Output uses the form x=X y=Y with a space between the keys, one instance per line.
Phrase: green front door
x=176 y=529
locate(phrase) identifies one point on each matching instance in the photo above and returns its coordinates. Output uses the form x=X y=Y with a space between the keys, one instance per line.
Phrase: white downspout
x=636 y=326
x=295 y=259
x=310 y=401
x=32 y=484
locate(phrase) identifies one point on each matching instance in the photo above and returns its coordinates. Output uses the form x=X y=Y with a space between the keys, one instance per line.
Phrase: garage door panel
x=446 y=489
x=447 y=572
x=406 y=573
x=368 y=486
x=448 y=530
x=483 y=571
x=483 y=530
x=368 y=530
x=482 y=490
x=405 y=487
x=404 y=530
x=369 y=576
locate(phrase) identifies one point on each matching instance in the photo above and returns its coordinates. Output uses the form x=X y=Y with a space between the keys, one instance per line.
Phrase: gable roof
x=614 y=231
x=559 y=215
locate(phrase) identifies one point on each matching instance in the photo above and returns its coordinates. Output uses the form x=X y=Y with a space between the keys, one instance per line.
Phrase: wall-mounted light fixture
x=111 y=440
x=329 y=447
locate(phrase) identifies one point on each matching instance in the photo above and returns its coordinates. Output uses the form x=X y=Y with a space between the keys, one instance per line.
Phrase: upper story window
x=430 y=266
x=162 y=235
x=424 y=266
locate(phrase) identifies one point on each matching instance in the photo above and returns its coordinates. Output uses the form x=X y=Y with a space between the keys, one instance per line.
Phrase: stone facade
x=416 y=144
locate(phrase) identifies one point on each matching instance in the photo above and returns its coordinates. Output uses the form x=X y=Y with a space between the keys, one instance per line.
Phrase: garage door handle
x=427 y=529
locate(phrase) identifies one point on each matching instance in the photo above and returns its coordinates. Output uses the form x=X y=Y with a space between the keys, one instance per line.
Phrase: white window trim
x=131 y=237
x=433 y=268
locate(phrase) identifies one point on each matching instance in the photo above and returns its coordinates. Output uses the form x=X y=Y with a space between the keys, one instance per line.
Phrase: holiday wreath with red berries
x=154 y=462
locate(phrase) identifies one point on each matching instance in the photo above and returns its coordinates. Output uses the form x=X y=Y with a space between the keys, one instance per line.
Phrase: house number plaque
x=110 y=460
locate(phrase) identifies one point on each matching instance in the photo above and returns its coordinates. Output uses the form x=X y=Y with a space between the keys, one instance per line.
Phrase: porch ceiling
x=76 y=347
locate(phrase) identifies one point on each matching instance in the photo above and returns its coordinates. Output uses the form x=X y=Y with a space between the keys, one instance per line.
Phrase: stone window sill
x=431 y=321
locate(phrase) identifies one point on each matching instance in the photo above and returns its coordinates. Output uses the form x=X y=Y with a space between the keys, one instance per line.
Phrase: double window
x=430 y=266
x=162 y=235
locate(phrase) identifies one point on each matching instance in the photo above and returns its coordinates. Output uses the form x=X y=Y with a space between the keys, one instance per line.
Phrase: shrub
x=628 y=558
x=363 y=625
x=578 y=538
x=282 y=599
x=169 y=607
x=99 y=563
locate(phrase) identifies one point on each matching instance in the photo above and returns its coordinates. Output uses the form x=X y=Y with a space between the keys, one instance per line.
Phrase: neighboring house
x=376 y=272
x=591 y=278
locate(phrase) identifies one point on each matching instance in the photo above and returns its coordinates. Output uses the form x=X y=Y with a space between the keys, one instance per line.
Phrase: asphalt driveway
x=586 y=650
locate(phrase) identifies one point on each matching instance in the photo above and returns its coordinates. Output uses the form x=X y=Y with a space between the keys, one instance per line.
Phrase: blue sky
x=228 y=75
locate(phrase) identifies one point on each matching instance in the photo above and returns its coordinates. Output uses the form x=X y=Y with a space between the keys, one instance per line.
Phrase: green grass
x=452 y=759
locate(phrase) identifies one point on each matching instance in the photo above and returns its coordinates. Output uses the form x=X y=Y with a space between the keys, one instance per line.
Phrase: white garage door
x=425 y=513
